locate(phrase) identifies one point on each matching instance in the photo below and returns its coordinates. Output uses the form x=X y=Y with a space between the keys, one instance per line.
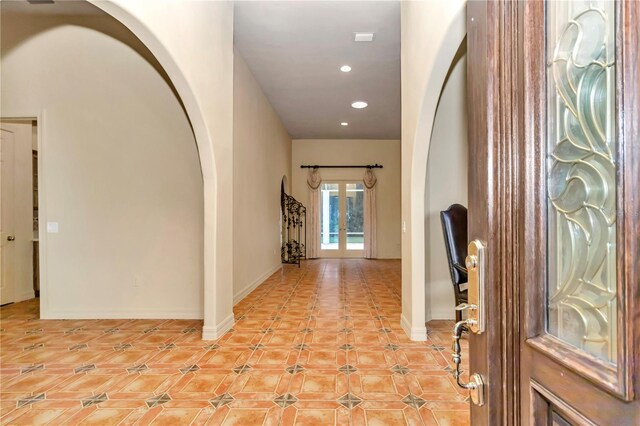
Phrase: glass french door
x=342 y=219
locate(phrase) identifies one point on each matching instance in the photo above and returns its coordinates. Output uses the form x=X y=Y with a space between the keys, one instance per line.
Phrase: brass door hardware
x=475 y=322
x=475 y=385
x=476 y=266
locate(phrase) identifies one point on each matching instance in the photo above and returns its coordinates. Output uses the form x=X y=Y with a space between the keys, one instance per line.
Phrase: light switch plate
x=52 y=227
x=359 y=37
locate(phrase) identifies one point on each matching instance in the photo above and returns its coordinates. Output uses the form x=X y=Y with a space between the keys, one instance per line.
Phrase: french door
x=341 y=219
x=554 y=172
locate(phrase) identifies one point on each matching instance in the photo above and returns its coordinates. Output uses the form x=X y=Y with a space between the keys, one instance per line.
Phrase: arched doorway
x=423 y=80
x=214 y=269
x=143 y=20
x=446 y=166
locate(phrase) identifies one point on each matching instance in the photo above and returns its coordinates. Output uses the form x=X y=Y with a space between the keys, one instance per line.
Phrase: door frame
x=495 y=198
x=342 y=251
x=40 y=118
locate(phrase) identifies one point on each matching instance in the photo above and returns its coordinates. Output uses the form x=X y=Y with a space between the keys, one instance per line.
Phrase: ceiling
x=295 y=51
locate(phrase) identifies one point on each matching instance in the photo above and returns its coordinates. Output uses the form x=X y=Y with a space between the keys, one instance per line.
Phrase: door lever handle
x=475 y=386
x=465 y=306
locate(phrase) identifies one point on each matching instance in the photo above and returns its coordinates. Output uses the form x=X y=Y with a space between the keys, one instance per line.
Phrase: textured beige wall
x=446 y=168
x=261 y=157
x=121 y=173
x=356 y=151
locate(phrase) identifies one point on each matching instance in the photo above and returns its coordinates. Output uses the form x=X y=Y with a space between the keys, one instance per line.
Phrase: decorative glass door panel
x=342 y=219
x=553 y=96
x=581 y=175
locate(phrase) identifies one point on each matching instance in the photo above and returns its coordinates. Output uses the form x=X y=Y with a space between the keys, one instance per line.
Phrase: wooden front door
x=554 y=178
x=581 y=179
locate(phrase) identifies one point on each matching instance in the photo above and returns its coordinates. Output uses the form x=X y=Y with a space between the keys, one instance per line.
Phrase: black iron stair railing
x=294 y=236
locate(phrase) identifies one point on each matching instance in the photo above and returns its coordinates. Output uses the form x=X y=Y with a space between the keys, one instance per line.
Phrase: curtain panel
x=313 y=219
x=370 y=242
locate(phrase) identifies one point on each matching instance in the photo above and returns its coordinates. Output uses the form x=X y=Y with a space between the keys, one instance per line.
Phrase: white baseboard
x=417 y=334
x=248 y=289
x=53 y=314
x=217 y=331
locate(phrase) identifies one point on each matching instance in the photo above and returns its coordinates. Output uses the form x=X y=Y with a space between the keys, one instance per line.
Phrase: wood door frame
x=495 y=198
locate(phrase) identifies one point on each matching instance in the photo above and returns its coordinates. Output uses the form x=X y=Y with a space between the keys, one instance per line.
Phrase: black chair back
x=454 y=227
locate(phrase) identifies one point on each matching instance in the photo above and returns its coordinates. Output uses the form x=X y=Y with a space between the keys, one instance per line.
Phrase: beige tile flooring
x=319 y=345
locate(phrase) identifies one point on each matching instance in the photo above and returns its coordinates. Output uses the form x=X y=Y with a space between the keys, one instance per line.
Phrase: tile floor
x=319 y=345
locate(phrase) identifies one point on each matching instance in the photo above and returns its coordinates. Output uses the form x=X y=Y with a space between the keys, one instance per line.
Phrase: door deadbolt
x=471 y=261
x=11 y=238
x=475 y=307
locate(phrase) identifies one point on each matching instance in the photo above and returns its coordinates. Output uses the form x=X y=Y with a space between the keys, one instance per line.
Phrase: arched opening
x=145 y=21
x=421 y=92
x=446 y=167
x=131 y=166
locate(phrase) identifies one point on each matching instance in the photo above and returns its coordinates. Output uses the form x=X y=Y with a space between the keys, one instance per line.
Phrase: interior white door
x=342 y=219
x=7 y=160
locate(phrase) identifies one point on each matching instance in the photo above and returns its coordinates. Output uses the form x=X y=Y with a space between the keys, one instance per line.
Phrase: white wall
x=261 y=157
x=21 y=249
x=120 y=172
x=446 y=184
x=357 y=151
x=431 y=34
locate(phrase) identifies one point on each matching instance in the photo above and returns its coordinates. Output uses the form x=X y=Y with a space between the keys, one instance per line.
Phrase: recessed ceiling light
x=359 y=104
x=345 y=68
x=344 y=123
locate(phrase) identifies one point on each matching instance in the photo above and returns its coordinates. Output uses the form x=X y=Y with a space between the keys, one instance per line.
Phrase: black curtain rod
x=369 y=166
